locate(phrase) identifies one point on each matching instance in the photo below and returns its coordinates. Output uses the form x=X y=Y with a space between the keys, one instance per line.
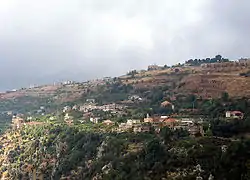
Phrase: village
x=193 y=125
x=106 y=114
x=125 y=90
x=141 y=114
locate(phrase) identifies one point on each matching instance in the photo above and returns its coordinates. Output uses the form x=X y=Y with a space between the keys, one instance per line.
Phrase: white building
x=67 y=116
x=42 y=107
x=234 y=114
x=135 y=98
x=94 y=120
x=67 y=82
x=133 y=121
x=90 y=100
x=75 y=107
x=52 y=118
x=29 y=118
x=66 y=109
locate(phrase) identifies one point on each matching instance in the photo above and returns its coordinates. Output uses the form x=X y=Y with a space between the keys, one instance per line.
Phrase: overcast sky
x=42 y=41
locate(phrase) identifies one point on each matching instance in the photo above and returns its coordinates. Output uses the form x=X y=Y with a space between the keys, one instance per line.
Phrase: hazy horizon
x=49 y=41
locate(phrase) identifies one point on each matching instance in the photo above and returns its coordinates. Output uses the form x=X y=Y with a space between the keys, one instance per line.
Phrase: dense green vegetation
x=197 y=62
x=83 y=152
x=4 y=122
x=24 y=104
x=109 y=93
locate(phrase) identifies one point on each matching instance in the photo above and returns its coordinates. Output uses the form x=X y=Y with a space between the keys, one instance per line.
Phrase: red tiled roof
x=166 y=103
x=156 y=119
x=108 y=122
x=236 y=112
x=170 y=120
x=34 y=123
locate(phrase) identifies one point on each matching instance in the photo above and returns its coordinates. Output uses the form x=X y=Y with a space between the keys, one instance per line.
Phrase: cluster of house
x=10 y=91
x=193 y=127
x=68 y=82
x=226 y=66
x=17 y=122
x=41 y=110
x=113 y=108
x=68 y=119
x=245 y=61
x=154 y=67
x=90 y=106
x=96 y=82
x=157 y=67
x=106 y=122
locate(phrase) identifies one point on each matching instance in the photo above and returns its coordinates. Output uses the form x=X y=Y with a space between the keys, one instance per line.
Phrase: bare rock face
x=106 y=169
x=211 y=177
x=101 y=148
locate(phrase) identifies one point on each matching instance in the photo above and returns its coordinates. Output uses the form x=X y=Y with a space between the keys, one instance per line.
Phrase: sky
x=55 y=40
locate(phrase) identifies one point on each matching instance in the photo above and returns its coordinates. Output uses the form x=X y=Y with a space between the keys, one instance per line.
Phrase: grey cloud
x=223 y=30
x=47 y=41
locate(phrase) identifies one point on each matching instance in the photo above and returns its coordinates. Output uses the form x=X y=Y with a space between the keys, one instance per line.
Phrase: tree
x=154 y=152
x=165 y=66
x=191 y=98
x=209 y=132
x=76 y=114
x=225 y=96
x=132 y=73
x=166 y=134
x=218 y=58
x=207 y=60
x=180 y=133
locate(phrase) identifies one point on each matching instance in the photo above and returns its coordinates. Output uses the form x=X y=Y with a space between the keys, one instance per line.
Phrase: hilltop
x=203 y=81
x=199 y=79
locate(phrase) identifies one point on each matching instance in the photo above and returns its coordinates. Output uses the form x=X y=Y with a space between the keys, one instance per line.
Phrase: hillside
x=180 y=122
x=54 y=95
x=53 y=151
x=204 y=82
